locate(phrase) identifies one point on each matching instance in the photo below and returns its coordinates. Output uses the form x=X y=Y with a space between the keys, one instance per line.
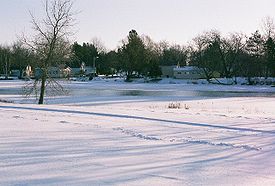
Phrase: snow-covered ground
x=115 y=133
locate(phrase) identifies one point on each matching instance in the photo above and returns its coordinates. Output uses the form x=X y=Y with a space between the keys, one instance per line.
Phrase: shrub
x=174 y=106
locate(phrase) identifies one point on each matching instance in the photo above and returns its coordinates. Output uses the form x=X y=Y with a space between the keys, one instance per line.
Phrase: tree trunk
x=42 y=89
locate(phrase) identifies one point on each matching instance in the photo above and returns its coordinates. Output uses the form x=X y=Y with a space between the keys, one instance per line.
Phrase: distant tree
x=99 y=45
x=254 y=45
x=108 y=63
x=269 y=53
x=21 y=57
x=152 y=55
x=229 y=51
x=205 y=53
x=85 y=53
x=101 y=61
x=77 y=55
x=173 y=55
x=50 y=42
x=268 y=27
x=132 y=55
x=5 y=60
x=254 y=48
x=153 y=68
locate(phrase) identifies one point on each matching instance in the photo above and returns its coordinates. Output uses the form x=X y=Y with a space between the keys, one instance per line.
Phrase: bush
x=178 y=106
x=174 y=106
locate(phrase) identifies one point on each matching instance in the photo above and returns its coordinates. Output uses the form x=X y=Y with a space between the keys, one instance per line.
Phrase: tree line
x=236 y=55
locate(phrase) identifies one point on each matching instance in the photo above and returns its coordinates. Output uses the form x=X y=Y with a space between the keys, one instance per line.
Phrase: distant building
x=167 y=71
x=87 y=71
x=188 y=72
x=65 y=72
x=53 y=72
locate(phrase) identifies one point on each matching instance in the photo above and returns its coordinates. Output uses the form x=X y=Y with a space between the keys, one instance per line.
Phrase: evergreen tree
x=173 y=55
x=85 y=53
x=132 y=55
x=269 y=48
x=254 y=48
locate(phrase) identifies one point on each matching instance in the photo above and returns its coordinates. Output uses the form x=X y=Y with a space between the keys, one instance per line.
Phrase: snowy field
x=116 y=133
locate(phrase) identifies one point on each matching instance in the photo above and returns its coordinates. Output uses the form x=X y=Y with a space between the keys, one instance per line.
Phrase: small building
x=167 y=71
x=53 y=72
x=87 y=71
x=188 y=72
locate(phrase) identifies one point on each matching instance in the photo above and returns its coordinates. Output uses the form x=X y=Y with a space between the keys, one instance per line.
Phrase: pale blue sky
x=176 y=21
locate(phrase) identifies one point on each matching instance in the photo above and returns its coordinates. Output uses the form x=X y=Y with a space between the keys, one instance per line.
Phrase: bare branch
x=50 y=42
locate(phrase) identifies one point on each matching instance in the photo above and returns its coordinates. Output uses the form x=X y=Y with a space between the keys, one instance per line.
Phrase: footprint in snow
x=17 y=117
x=64 y=122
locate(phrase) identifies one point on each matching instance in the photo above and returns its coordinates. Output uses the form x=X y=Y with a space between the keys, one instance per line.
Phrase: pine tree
x=269 y=48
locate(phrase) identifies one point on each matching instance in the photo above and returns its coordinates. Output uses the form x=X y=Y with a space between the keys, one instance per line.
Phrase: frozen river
x=78 y=92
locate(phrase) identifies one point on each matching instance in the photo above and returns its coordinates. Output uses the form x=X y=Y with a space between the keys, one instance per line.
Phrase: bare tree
x=268 y=27
x=204 y=52
x=50 y=42
x=99 y=45
x=229 y=50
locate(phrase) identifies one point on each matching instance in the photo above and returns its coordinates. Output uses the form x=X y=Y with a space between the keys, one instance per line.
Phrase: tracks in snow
x=184 y=140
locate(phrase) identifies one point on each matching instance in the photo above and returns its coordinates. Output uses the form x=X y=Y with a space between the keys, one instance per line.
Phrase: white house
x=188 y=72
x=53 y=72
